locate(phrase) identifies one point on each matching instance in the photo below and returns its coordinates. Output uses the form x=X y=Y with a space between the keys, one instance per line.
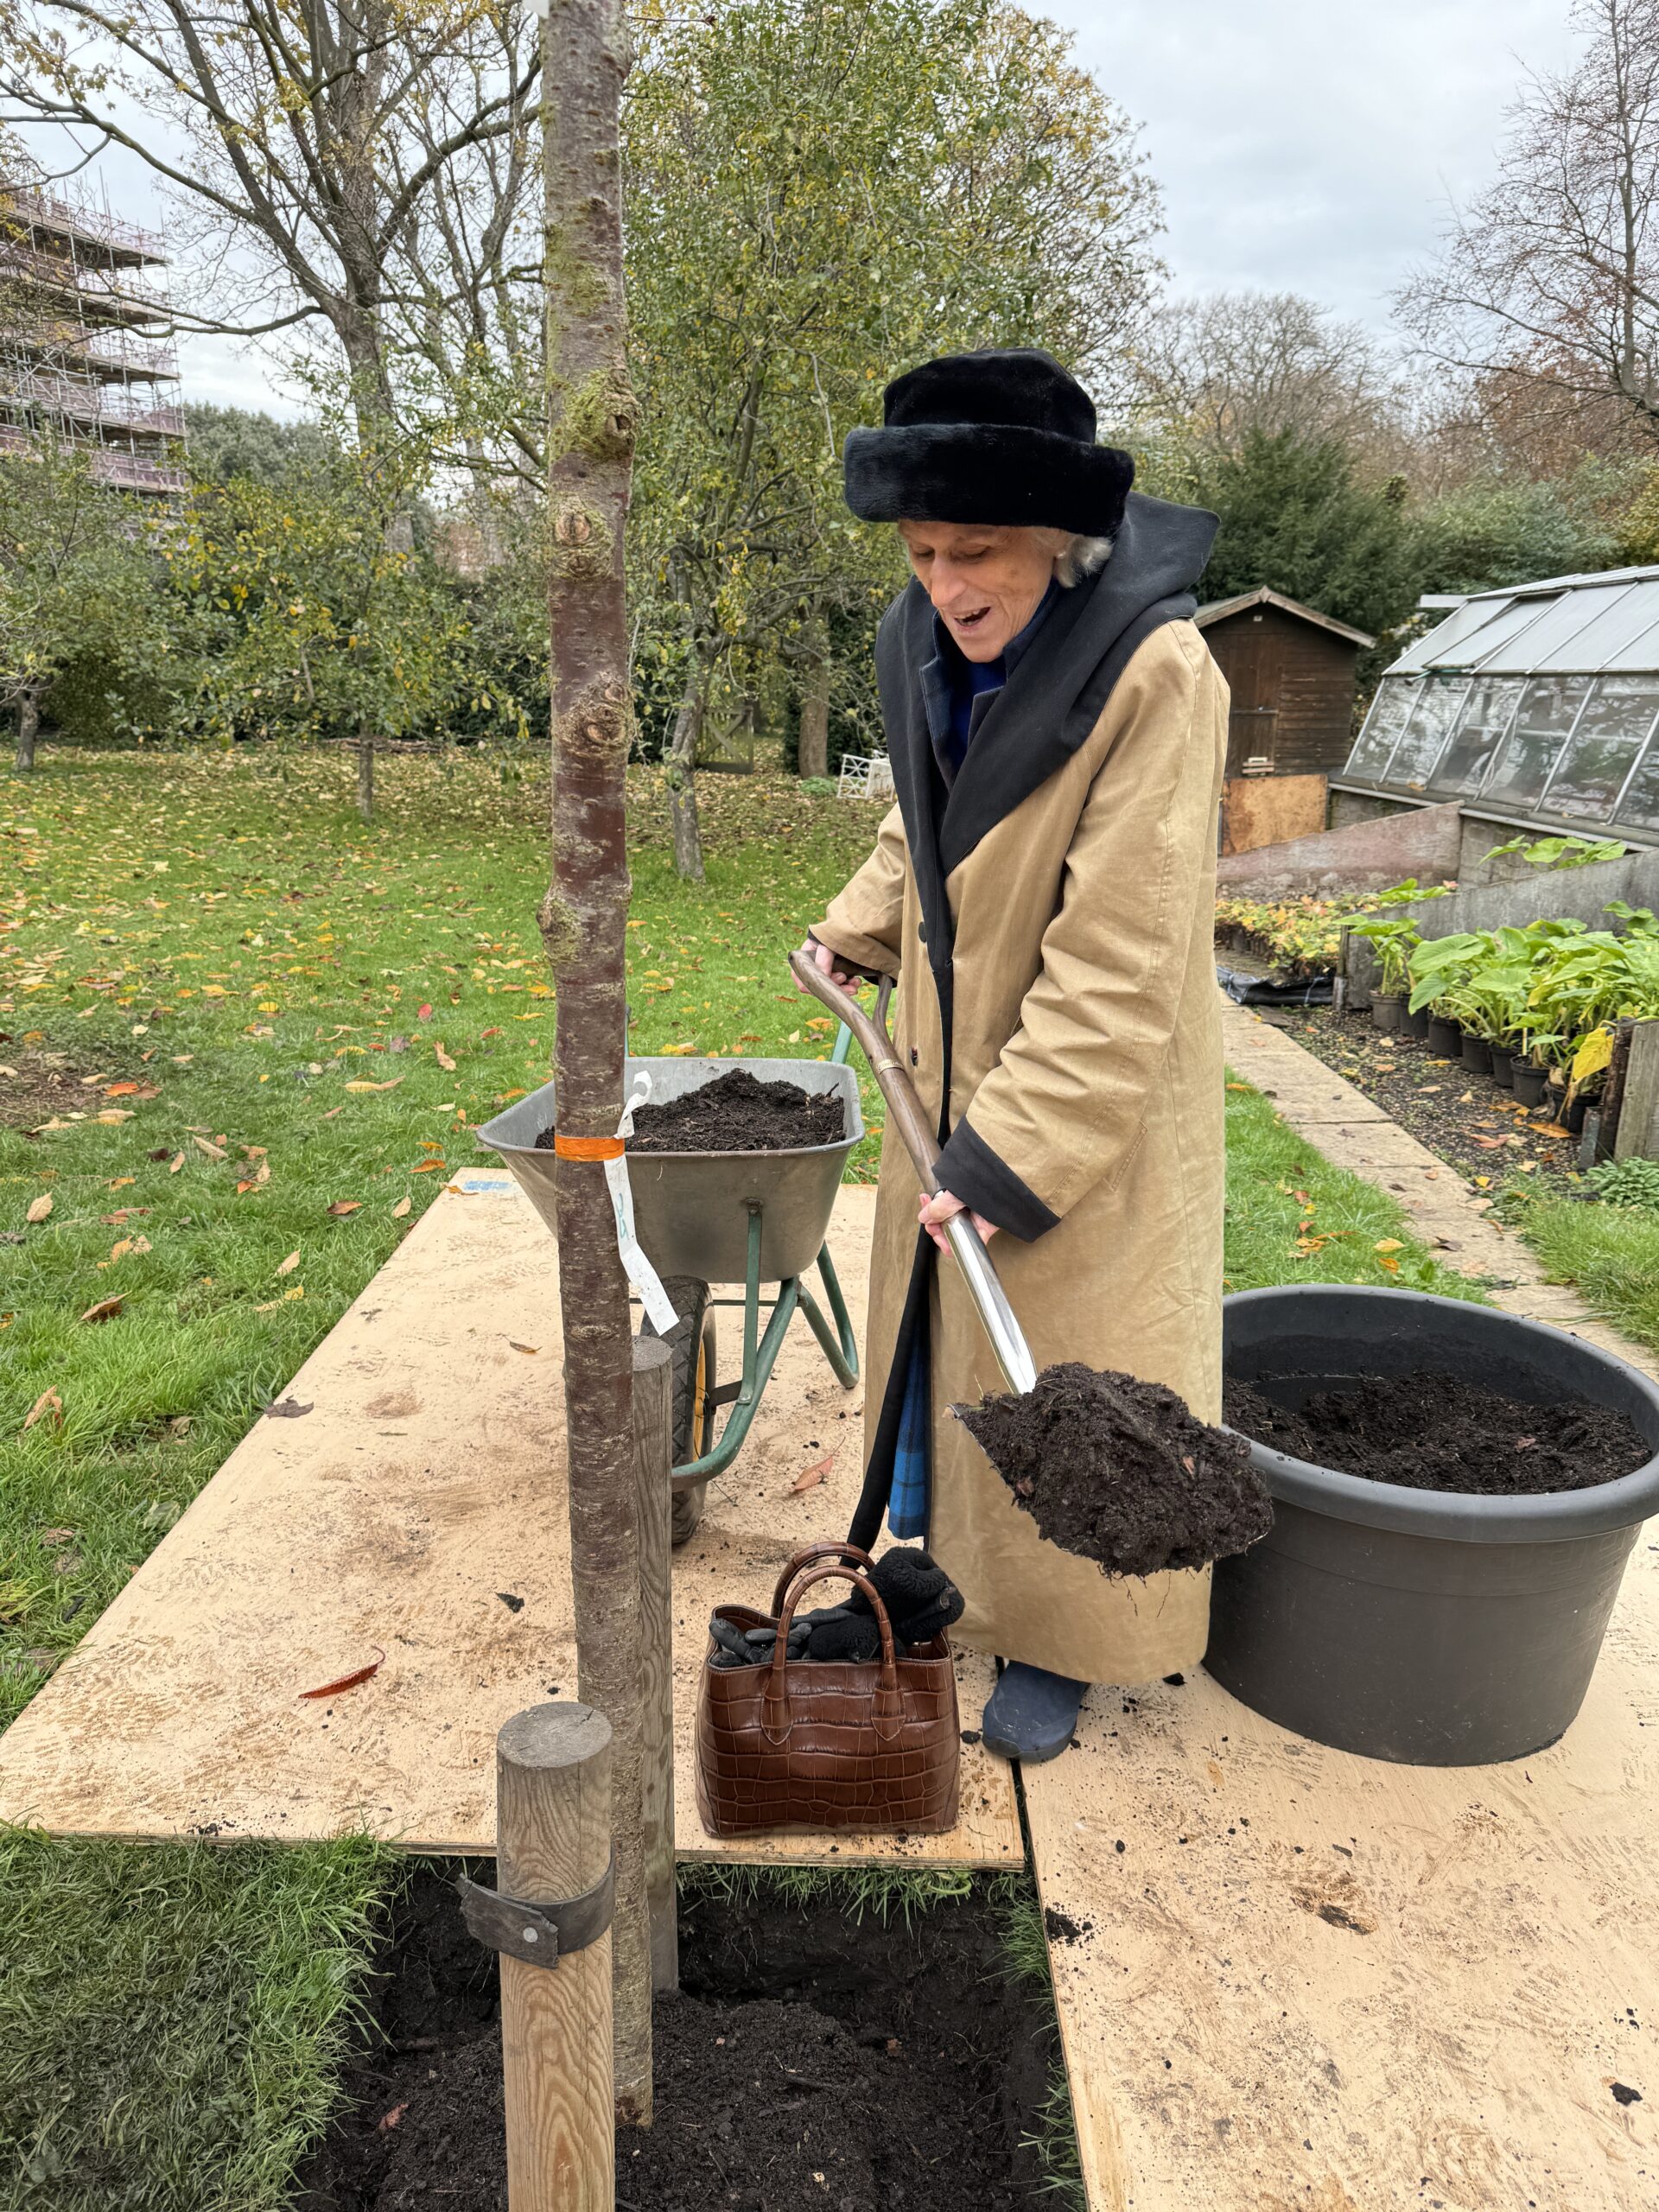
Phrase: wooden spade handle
x=984 y=1285
x=909 y=1117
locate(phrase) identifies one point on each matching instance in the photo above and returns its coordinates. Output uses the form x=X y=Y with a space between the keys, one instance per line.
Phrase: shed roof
x=1219 y=609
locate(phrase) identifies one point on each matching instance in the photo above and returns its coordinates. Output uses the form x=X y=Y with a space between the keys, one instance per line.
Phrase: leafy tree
x=308 y=620
x=1494 y=531
x=822 y=193
x=1296 y=516
x=221 y=442
x=77 y=577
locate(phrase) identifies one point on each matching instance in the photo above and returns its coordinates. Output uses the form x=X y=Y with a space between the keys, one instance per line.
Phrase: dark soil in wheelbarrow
x=810 y=2061
x=737 y=1112
x=1118 y=1471
x=1443 y=1431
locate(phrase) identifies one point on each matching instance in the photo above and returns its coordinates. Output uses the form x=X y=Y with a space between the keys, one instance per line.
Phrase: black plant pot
x=1502 y=1067
x=1387 y=1011
x=1530 y=1083
x=1421 y=1626
x=1444 y=1037
x=1418 y=1023
x=1477 y=1054
x=1576 y=1112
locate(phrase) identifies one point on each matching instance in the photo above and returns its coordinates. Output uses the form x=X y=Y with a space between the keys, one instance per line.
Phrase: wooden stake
x=553 y=1841
x=653 y=1425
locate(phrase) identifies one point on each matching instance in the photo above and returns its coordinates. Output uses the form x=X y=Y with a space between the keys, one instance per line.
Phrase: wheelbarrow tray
x=691 y=1209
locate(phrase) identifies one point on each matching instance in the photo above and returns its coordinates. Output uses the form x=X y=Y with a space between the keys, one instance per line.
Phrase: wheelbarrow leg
x=841 y=1355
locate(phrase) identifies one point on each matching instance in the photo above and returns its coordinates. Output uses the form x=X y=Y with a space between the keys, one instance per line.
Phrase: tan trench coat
x=1086 y=1050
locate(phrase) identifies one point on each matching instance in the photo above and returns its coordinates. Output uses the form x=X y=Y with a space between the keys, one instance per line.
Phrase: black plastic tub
x=1444 y=1037
x=1502 y=1067
x=1417 y=1023
x=1477 y=1054
x=1419 y=1625
x=1529 y=1082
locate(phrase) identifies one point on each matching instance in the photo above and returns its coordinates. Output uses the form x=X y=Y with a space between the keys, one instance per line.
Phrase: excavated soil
x=809 y=2061
x=1117 y=1470
x=737 y=1112
x=1440 y=1431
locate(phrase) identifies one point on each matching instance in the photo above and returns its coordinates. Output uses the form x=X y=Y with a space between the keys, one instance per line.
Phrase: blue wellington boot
x=1031 y=1715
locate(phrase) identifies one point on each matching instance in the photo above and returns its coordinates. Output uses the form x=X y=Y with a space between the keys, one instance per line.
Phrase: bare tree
x=1231 y=363
x=590 y=434
x=305 y=147
x=1546 y=291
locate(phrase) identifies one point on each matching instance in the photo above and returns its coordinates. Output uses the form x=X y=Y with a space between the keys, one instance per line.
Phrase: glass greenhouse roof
x=1540 y=702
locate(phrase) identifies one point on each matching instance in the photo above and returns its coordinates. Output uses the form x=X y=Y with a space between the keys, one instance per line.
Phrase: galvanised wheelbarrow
x=704 y=1217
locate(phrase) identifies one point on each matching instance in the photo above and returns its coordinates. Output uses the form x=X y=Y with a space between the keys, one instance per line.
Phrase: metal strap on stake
x=540 y=1934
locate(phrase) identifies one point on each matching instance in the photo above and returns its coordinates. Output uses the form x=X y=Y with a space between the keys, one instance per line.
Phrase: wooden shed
x=1291 y=671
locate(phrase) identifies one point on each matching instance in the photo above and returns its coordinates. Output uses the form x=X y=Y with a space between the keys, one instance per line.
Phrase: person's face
x=986 y=581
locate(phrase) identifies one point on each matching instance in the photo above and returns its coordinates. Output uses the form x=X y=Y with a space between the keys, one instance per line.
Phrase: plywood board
x=1257 y=811
x=1306 y=1982
x=418 y=1511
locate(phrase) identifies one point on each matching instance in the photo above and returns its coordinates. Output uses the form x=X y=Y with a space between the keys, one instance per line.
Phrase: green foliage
x=1560 y=852
x=1295 y=515
x=1394 y=943
x=1633 y=1182
x=1547 y=989
x=1503 y=530
x=222 y=442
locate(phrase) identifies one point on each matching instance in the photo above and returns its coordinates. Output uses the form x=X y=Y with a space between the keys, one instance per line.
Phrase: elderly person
x=1044 y=892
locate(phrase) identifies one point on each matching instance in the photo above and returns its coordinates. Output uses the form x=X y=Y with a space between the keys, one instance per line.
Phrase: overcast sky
x=1302 y=145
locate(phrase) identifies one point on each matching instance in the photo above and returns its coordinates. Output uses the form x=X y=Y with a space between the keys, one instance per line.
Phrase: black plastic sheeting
x=1268 y=990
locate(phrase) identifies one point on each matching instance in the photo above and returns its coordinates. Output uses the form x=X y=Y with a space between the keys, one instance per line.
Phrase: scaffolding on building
x=80 y=357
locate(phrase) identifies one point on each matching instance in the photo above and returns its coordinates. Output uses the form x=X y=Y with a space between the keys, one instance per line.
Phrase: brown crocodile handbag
x=827 y=1744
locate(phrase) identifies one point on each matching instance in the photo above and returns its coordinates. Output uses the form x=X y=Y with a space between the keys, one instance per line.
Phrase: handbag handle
x=774 y=1705
x=826 y=1547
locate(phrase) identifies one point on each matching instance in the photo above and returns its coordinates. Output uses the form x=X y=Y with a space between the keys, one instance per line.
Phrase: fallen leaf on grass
x=423 y=1014
x=286 y=1409
x=213 y=1151
x=346 y=1206
x=392 y=1085
x=47 y=1406
x=49 y=1539
x=809 y=1477
x=287 y=1267
x=177 y=1162
x=431 y=1168
x=39 y=1208
x=443 y=1059
x=350 y=1682
x=115 y=1113
x=1388 y=1244
x=400 y=1209
x=106 y=1309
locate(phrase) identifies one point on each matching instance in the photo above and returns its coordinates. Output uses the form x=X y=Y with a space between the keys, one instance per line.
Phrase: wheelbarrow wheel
x=692 y=1342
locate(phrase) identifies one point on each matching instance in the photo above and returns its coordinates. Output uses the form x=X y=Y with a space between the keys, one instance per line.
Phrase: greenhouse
x=1531 y=705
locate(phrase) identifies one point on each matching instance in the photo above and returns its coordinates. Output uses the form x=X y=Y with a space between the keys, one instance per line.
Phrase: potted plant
x=1436 y=968
x=1393 y=942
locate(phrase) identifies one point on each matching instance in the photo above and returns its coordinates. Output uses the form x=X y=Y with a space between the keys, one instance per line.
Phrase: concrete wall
x=1361 y=806
x=1367 y=856
x=1579 y=892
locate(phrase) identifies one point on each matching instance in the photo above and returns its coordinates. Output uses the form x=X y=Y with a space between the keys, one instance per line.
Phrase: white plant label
x=639 y=1269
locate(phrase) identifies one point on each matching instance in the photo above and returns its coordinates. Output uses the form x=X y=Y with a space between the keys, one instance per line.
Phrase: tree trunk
x=682 y=774
x=591 y=413
x=28 y=725
x=365 y=777
x=813 y=753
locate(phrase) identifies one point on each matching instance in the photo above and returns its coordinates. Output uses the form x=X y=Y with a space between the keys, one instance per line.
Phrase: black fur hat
x=991 y=437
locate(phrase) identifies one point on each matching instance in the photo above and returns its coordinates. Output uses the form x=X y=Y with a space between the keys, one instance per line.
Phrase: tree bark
x=28 y=725
x=681 y=769
x=813 y=752
x=365 y=777
x=591 y=414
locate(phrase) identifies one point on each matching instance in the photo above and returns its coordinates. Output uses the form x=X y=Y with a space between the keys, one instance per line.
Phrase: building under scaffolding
x=80 y=354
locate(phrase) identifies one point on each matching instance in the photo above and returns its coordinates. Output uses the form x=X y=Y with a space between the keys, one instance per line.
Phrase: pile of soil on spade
x=1117 y=1470
x=737 y=1112
x=808 y=2061
x=1440 y=1431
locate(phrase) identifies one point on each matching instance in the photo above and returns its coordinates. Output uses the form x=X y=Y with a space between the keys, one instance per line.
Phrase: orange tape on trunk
x=589 y=1147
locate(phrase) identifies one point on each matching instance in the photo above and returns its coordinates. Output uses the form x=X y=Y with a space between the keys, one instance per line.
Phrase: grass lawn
x=250 y=1037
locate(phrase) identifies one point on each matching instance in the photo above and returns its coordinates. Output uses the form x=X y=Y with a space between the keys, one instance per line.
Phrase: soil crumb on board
x=1442 y=1432
x=810 y=2060
x=737 y=1112
x=1117 y=1470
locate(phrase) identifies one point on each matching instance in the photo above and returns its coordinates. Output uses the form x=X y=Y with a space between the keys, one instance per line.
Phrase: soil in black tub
x=1117 y=1470
x=1442 y=1432
x=810 y=2061
x=737 y=1112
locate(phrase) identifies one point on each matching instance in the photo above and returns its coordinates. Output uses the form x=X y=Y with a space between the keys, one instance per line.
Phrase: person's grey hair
x=1075 y=556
